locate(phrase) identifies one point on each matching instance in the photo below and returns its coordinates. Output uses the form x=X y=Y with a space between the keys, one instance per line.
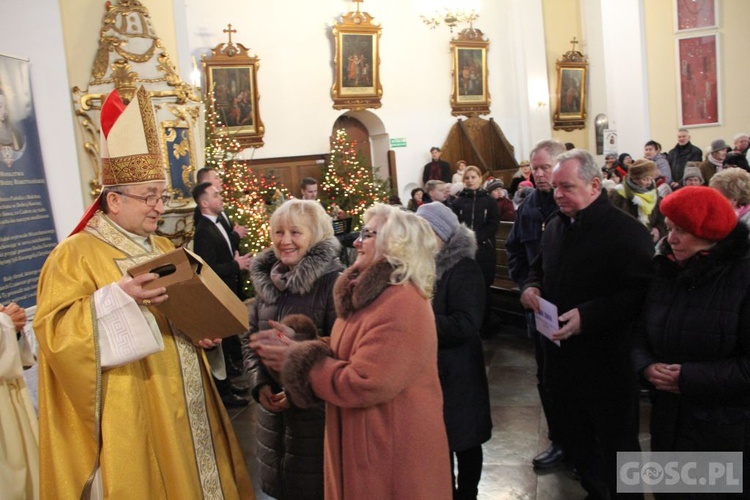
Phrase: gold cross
x=358 y=2
x=574 y=42
x=230 y=31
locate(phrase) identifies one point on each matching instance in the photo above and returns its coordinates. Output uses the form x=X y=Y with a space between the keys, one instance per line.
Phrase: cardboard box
x=199 y=303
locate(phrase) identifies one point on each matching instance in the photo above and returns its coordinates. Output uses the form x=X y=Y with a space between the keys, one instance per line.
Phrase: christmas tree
x=249 y=199
x=349 y=182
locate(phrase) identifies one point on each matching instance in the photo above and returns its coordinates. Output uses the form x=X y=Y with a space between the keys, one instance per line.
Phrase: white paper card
x=546 y=319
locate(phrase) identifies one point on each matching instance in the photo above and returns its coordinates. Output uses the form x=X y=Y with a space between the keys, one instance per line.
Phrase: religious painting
x=469 y=96
x=232 y=92
x=357 y=63
x=570 y=112
x=179 y=157
x=698 y=72
x=696 y=14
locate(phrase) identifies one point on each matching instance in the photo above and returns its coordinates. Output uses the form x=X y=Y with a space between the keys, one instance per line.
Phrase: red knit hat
x=701 y=211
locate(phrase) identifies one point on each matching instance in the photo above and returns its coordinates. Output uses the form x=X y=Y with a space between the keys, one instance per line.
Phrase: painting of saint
x=233 y=96
x=357 y=51
x=571 y=91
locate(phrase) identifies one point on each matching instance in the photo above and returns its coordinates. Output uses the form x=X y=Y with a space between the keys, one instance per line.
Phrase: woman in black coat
x=693 y=340
x=295 y=276
x=478 y=210
x=458 y=304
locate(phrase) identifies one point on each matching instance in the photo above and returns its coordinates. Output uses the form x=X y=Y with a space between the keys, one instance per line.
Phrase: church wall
x=663 y=77
x=30 y=29
x=293 y=40
x=81 y=22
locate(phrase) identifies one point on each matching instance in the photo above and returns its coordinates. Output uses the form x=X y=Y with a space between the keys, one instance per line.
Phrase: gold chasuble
x=150 y=429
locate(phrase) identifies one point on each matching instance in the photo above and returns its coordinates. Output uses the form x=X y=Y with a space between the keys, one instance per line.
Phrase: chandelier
x=452 y=16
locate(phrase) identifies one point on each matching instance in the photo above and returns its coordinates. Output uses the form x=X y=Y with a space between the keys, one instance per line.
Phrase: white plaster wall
x=31 y=29
x=619 y=70
x=293 y=40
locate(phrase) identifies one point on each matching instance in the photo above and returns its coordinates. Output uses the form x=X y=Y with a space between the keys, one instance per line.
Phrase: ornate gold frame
x=570 y=113
x=361 y=66
x=469 y=93
x=232 y=61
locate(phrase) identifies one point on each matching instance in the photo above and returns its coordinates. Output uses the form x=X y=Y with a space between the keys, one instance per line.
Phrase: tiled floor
x=519 y=428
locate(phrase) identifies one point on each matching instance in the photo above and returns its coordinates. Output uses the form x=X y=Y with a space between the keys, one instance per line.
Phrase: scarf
x=716 y=163
x=643 y=198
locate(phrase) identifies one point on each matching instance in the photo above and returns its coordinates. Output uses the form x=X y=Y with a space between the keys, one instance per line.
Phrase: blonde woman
x=295 y=276
x=734 y=185
x=385 y=435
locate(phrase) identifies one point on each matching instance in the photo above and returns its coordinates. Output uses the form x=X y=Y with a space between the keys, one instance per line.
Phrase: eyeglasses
x=365 y=234
x=151 y=200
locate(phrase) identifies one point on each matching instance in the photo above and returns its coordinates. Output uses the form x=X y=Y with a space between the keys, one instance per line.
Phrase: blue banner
x=27 y=230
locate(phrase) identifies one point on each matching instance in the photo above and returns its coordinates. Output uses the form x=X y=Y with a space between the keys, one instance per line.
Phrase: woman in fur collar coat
x=385 y=436
x=459 y=304
x=295 y=276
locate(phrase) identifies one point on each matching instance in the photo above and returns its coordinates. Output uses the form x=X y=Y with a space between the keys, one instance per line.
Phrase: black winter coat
x=575 y=269
x=478 y=210
x=524 y=238
x=290 y=443
x=458 y=304
x=699 y=316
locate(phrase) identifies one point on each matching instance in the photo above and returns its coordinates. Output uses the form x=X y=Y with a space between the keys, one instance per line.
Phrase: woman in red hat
x=693 y=340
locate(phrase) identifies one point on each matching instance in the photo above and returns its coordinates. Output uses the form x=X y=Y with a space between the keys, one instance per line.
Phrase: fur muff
x=304 y=329
x=356 y=288
x=295 y=375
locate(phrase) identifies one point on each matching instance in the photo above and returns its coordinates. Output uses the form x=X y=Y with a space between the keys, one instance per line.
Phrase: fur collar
x=357 y=288
x=321 y=259
x=703 y=266
x=463 y=244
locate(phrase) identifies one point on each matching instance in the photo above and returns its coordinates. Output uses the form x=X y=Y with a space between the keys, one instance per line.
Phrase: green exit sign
x=399 y=142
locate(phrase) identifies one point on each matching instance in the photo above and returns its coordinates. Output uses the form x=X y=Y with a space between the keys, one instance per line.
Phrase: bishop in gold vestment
x=127 y=407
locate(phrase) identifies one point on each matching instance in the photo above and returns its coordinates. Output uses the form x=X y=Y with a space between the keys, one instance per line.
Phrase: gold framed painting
x=231 y=76
x=570 y=113
x=356 y=61
x=470 y=95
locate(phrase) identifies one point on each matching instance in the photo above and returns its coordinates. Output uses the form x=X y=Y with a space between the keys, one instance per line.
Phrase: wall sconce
x=195 y=78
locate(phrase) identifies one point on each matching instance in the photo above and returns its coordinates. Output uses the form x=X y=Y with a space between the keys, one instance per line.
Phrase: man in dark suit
x=437 y=169
x=235 y=231
x=213 y=243
x=589 y=374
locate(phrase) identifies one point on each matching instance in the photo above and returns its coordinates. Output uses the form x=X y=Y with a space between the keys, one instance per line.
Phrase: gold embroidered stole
x=193 y=385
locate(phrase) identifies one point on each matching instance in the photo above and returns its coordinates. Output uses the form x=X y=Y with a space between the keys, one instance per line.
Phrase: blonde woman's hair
x=734 y=184
x=305 y=213
x=407 y=242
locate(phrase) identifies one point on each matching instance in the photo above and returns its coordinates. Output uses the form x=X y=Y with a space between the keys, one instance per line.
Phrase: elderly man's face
x=742 y=143
x=572 y=193
x=134 y=215
x=541 y=169
x=683 y=137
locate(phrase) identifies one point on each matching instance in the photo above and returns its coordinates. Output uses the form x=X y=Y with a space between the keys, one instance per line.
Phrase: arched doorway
x=367 y=128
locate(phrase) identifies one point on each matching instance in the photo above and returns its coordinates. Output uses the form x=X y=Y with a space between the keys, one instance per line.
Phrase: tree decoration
x=349 y=182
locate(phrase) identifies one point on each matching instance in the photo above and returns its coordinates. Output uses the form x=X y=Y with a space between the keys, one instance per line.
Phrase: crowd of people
x=370 y=380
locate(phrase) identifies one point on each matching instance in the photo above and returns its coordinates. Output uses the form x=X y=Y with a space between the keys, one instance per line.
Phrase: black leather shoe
x=551 y=457
x=239 y=389
x=234 y=401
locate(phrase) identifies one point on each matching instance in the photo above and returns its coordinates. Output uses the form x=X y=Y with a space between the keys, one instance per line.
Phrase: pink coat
x=385 y=434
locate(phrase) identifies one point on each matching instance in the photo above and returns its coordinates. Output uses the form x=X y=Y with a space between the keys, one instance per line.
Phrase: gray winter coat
x=290 y=443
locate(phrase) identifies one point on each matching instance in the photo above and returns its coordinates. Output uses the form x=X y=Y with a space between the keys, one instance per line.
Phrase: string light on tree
x=349 y=181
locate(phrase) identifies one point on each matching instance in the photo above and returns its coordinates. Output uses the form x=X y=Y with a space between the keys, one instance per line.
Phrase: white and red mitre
x=129 y=145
